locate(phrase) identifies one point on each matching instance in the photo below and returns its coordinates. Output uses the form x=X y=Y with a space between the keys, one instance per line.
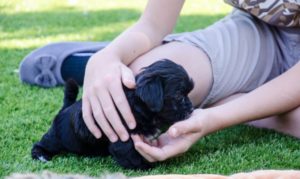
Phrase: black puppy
x=159 y=100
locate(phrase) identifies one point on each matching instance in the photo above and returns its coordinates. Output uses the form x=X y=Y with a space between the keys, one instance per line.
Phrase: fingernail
x=124 y=137
x=174 y=132
x=130 y=82
x=131 y=125
x=113 y=138
x=98 y=135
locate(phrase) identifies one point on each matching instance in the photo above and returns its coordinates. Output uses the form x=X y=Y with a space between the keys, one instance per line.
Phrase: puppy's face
x=176 y=104
x=164 y=87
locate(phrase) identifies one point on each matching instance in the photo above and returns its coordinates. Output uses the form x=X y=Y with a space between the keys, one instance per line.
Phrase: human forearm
x=158 y=20
x=277 y=96
x=132 y=43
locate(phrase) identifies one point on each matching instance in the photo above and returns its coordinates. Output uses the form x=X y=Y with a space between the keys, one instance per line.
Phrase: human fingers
x=191 y=125
x=152 y=142
x=101 y=120
x=149 y=141
x=137 y=140
x=168 y=147
x=128 y=78
x=155 y=153
x=111 y=116
x=120 y=100
x=88 y=119
x=152 y=154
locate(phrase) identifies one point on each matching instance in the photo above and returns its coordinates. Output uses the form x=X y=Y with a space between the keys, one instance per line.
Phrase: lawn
x=26 y=111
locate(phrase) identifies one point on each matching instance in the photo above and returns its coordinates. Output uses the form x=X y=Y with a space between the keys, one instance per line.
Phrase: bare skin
x=139 y=46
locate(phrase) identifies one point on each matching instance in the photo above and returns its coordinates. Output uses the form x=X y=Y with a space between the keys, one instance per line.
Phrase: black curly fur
x=159 y=100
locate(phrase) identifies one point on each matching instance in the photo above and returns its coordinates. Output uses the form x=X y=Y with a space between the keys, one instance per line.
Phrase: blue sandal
x=42 y=66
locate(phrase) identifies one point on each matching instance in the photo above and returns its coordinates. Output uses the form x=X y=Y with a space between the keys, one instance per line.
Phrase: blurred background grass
x=26 y=112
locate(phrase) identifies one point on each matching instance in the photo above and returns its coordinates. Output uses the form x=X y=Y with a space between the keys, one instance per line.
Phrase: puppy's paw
x=39 y=153
x=126 y=156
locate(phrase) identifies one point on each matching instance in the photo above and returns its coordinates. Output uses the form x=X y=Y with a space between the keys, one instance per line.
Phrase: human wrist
x=129 y=45
x=214 y=121
x=104 y=56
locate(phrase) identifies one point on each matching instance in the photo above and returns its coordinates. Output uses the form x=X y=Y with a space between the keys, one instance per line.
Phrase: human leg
x=43 y=66
x=193 y=59
x=287 y=123
x=74 y=65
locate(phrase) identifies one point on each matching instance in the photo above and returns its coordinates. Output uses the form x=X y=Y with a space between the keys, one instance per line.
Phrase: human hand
x=177 y=140
x=103 y=93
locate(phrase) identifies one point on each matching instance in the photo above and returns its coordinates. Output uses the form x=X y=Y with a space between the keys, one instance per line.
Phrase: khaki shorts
x=244 y=53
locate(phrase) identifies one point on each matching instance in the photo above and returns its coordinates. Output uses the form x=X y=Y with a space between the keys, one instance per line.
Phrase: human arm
x=100 y=95
x=275 y=97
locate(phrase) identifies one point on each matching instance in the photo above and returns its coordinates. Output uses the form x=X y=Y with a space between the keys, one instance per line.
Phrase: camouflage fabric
x=284 y=13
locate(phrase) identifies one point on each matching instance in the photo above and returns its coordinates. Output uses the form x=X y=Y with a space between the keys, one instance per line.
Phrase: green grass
x=26 y=112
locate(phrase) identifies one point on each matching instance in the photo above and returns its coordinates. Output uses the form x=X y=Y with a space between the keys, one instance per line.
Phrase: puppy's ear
x=150 y=91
